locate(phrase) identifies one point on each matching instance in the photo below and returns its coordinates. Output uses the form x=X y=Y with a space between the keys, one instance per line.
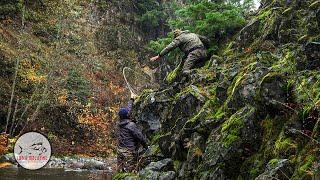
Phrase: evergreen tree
x=215 y=19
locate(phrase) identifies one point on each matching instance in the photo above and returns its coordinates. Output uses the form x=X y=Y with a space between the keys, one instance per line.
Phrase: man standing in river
x=129 y=139
x=193 y=47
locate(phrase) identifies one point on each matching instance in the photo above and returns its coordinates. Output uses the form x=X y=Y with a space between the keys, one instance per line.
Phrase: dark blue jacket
x=129 y=135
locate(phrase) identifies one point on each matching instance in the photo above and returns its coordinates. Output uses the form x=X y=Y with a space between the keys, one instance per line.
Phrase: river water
x=52 y=174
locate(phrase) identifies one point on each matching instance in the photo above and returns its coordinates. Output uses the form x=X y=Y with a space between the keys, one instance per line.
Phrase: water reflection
x=52 y=174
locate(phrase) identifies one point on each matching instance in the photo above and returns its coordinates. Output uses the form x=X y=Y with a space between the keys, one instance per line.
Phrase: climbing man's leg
x=189 y=63
x=193 y=60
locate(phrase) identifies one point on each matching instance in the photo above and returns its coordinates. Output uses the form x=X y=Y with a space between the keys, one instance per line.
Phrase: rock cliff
x=251 y=112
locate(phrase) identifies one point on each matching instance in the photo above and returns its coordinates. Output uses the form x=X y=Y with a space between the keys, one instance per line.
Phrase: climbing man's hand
x=155 y=58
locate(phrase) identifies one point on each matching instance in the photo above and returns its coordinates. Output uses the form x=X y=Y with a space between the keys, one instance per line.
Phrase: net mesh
x=137 y=80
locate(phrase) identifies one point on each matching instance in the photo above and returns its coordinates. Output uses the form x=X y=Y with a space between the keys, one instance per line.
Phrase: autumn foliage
x=55 y=80
x=3 y=143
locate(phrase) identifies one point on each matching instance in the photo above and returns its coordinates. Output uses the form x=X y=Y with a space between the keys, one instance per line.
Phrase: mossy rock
x=174 y=75
x=273 y=162
x=245 y=87
x=285 y=146
x=274 y=92
x=248 y=33
x=305 y=168
x=231 y=128
x=252 y=167
x=277 y=168
x=227 y=142
x=160 y=169
x=214 y=61
x=265 y=80
x=202 y=114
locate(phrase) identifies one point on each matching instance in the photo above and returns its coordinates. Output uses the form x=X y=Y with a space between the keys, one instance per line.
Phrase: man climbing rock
x=192 y=45
x=129 y=139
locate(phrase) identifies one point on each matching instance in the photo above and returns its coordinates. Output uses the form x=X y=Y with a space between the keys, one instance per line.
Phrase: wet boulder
x=94 y=164
x=195 y=146
x=245 y=86
x=152 y=108
x=230 y=144
x=248 y=34
x=158 y=170
x=77 y=163
x=185 y=106
x=274 y=91
x=60 y=163
x=152 y=154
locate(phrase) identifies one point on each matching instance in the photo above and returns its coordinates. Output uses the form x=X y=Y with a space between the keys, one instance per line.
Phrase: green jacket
x=186 y=41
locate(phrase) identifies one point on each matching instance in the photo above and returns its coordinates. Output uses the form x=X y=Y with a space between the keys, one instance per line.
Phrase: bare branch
x=14 y=116
x=12 y=93
x=24 y=111
x=36 y=112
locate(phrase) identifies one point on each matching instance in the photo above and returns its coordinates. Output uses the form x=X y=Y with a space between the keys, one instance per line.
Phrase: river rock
x=8 y=158
x=94 y=164
x=158 y=170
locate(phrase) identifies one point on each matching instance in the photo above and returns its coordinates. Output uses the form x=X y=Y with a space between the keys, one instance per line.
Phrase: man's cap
x=123 y=113
x=177 y=32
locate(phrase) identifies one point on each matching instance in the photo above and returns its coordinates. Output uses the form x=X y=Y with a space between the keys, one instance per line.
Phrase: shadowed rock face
x=245 y=35
x=277 y=169
x=313 y=54
x=244 y=115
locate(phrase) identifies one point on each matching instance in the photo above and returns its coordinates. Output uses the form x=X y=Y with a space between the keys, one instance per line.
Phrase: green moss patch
x=232 y=127
x=173 y=75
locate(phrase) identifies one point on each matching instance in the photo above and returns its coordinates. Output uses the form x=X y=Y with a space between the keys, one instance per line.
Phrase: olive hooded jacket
x=187 y=42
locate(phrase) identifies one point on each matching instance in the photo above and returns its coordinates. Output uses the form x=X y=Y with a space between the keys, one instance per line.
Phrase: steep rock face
x=228 y=145
x=252 y=111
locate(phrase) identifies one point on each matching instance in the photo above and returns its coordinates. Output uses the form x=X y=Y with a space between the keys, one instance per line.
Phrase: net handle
x=125 y=78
